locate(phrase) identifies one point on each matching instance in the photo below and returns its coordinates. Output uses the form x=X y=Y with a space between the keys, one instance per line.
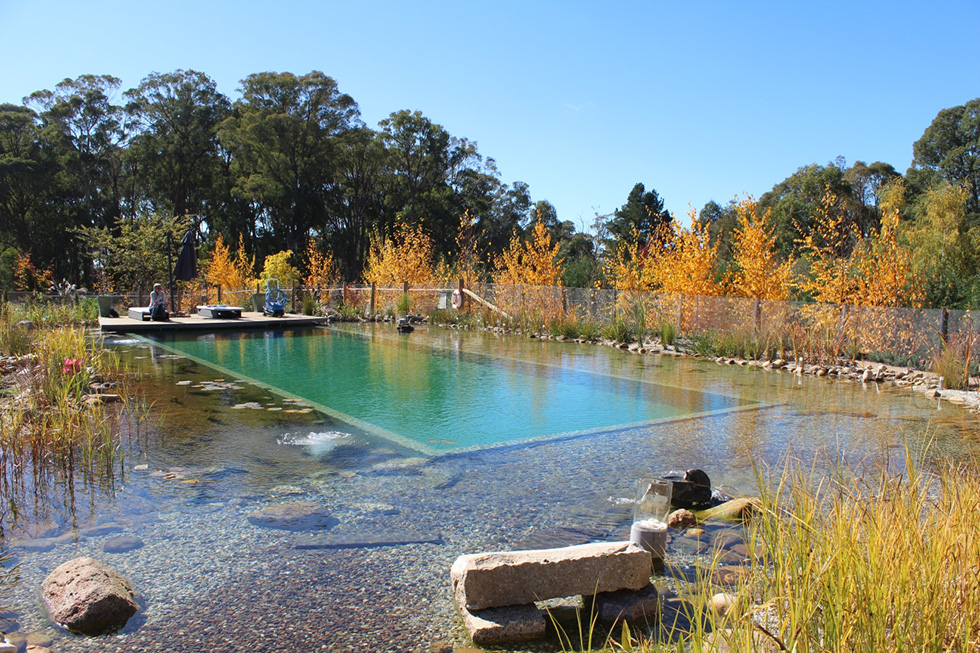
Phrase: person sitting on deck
x=158 y=304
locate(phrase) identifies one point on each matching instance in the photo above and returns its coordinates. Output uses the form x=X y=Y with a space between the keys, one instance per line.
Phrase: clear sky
x=698 y=100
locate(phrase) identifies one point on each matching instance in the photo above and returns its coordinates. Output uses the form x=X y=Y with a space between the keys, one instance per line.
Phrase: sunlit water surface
x=442 y=442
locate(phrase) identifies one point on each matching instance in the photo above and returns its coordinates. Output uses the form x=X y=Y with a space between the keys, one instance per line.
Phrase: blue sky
x=580 y=100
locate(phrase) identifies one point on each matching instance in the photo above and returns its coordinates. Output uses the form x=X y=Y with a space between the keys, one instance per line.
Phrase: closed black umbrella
x=186 y=268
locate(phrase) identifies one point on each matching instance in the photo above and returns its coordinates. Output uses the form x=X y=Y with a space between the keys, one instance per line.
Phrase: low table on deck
x=220 y=311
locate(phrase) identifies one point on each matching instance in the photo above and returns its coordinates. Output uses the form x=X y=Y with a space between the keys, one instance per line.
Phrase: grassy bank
x=851 y=561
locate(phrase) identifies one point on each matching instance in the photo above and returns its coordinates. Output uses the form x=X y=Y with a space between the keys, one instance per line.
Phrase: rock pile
x=495 y=592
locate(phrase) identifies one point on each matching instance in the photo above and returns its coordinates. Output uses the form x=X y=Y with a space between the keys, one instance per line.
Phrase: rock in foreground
x=87 y=597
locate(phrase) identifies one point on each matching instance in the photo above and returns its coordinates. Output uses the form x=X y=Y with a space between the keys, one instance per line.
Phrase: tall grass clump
x=856 y=563
x=619 y=330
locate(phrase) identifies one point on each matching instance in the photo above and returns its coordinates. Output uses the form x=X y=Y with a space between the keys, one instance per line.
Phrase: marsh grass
x=847 y=560
x=54 y=430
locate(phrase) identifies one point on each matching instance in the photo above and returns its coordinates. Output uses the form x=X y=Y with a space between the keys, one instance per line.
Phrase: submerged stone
x=294 y=516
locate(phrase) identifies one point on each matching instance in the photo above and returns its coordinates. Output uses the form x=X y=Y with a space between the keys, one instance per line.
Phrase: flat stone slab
x=634 y=606
x=513 y=623
x=490 y=580
x=366 y=539
x=293 y=516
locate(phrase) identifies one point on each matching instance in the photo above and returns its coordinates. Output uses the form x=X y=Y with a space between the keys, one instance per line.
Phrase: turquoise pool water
x=429 y=395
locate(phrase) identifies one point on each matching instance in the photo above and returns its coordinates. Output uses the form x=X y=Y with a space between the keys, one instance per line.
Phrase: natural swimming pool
x=221 y=446
x=435 y=396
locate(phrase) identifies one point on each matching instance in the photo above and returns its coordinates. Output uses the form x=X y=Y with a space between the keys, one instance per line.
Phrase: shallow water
x=220 y=447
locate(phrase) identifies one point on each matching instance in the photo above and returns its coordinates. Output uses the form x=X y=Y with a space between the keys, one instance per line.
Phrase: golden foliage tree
x=827 y=248
x=688 y=264
x=885 y=261
x=625 y=269
x=757 y=271
x=320 y=268
x=227 y=271
x=533 y=262
x=277 y=266
x=405 y=255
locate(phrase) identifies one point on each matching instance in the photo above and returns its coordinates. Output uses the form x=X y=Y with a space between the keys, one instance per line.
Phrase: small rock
x=722 y=603
x=39 y=639
x=681 y=519
x=739 y=510
x=441 y=647
x=122 y=544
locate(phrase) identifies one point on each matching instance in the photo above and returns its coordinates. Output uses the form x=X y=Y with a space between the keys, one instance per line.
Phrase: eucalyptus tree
x=642 y=217
x=357 y=199
x=175 y=156
x=950 y=149
x=28 y=179
x=85 y=133
x=428 y=168
x=283 y=136
x=88 y=134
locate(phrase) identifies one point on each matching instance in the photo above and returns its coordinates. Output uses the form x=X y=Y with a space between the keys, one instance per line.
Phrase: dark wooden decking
x=248 y=320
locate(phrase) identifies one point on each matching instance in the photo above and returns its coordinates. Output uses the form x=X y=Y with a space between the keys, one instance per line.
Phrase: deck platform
x=248 y=320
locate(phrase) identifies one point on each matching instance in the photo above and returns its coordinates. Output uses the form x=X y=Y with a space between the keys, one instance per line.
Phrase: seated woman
x=158 y=304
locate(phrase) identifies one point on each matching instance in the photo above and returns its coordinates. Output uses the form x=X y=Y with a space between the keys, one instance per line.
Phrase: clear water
x=429 y=395
x=222 y=444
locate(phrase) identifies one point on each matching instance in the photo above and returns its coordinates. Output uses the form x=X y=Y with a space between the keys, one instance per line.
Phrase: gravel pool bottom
x=218 y=447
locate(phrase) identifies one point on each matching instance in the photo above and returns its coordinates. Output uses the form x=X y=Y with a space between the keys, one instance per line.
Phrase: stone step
x=490 y=580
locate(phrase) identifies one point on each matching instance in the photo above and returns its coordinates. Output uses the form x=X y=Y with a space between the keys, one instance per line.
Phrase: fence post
x=615 y=303
x=680 y=312
x=755 y=320
x=374 y=288
x=294 y=297
x=944 y=326
x=219 y=293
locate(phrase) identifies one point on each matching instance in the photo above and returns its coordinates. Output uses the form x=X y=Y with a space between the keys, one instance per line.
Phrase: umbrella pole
x=170 y=267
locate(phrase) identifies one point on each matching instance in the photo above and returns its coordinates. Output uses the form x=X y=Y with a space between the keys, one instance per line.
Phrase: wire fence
x=813 y=331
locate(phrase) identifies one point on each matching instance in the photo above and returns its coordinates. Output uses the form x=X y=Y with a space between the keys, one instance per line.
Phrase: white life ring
x=457 y=299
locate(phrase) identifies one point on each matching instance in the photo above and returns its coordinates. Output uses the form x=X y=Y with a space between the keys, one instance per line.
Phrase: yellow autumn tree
x=757 y=271
x=688 y=262
x=533 y=262
x=277 y=266
x=227 y=271
x=320 y=268
x=827 y=248
x=625 y=270
x=405 y=255
x=467 y=265
x=885 y=260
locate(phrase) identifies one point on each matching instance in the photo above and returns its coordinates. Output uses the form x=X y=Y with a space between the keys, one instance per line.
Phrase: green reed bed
x=845 y=561
x=66 y=403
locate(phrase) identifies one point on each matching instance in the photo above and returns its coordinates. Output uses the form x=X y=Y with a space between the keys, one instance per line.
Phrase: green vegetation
x=57 y=420
x=88 y=184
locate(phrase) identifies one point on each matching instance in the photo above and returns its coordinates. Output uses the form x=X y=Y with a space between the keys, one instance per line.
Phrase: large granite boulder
x=87 y=597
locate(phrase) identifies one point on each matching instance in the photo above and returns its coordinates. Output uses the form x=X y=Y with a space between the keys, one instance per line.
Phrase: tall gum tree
x=283 y=136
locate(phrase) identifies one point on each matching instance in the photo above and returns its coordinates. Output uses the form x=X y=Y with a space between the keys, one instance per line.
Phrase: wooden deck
x=248 y=320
